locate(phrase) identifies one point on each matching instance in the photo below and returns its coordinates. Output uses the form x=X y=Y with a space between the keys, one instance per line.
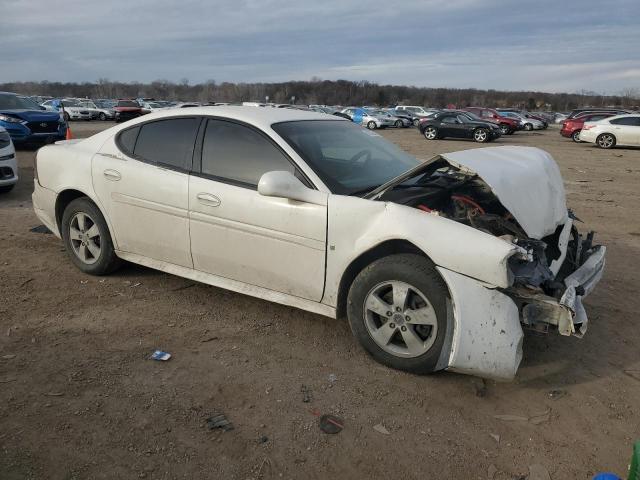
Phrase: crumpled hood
x=33 y=115
x=526 y=180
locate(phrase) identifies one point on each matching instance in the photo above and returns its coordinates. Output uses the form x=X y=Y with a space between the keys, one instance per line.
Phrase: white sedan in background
x=436 y=264
x=73 y=110
x=612 y=131
x=8 y=163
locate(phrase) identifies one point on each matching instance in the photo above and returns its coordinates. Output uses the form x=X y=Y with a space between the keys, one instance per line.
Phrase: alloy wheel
x=430 y=133
x=84 y=235
x=606 y=141
x=480 y=135
x=400 y=319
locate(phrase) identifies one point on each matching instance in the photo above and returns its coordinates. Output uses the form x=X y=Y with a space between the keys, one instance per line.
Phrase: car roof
x=624 y=115
x=262 y=117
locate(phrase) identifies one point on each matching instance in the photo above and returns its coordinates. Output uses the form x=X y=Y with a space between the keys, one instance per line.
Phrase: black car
x=406 y=115
x=454 y=124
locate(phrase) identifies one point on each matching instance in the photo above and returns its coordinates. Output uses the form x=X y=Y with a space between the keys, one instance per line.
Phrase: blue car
x=27 y=122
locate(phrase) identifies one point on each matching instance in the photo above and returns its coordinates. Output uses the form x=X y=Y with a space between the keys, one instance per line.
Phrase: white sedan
x=612 y=131
x=436 y=264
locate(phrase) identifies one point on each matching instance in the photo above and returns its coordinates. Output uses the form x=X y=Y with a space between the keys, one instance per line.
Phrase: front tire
x=87 y=239
x=102 y=116
x=416 y=122
x=430 y=133
x=528 y=127
x=481 y=135
x=398 y=124
x=397 y=309
x=606 y=140
x=505 y=129
x=371 y=125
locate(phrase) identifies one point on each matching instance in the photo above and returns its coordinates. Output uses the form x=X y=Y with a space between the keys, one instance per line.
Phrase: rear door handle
x=112 y=175
x=208 y=199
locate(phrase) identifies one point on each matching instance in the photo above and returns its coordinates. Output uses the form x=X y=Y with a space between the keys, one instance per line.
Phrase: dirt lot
x=79 y=398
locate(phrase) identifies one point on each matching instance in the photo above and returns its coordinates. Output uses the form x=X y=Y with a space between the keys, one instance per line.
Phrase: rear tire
x=102 y=116
x=398 y=124
x=371 y=125
x=505 y=129
x=606 y=140
x=528 y=127
x=397 y=309
x=87 y=239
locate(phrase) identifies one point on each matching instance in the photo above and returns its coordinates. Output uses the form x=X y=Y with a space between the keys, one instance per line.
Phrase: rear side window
x=239 y=154
x=634 y=121
x=168 y=142
x=127 y=140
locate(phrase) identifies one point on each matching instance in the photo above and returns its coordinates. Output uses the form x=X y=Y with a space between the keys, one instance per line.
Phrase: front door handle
x=112 y=175
x=208 y=199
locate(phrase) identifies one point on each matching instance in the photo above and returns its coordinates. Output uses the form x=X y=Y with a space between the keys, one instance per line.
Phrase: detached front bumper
x=486 y=338
x=567 y=314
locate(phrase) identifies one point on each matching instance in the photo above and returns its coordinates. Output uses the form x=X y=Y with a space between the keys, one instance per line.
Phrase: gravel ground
x=79 y=398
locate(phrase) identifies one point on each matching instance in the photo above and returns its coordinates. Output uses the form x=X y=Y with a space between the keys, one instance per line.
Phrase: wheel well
x=383 y=249
x=65 y=198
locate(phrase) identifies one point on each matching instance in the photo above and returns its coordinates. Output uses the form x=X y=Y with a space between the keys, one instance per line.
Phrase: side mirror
x=286 y=185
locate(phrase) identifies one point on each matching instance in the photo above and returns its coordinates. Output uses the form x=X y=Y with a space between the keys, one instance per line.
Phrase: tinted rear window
x=127 y=140
x=168 y=142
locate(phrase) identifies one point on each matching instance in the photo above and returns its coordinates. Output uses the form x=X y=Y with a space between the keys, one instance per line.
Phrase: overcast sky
x=547 y=45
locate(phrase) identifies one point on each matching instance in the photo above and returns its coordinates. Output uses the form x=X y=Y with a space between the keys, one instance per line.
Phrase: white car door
x=236 y=233
x=142 y=181
x=625 y=130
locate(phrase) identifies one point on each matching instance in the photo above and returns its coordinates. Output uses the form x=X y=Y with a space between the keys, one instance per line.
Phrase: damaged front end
x=549 y=286
x=517 y=195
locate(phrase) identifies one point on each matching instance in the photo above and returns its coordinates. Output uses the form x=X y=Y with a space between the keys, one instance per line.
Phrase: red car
x=507 y=125
x=126 y=110
x=571 y=126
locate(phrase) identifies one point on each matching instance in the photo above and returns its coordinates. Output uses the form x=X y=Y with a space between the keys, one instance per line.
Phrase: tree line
x=325 y=92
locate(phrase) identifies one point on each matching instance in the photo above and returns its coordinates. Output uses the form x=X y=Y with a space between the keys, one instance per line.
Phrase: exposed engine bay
x=540 y=274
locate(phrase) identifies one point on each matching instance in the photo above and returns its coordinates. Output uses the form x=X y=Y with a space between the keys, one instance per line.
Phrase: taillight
x=587 y=127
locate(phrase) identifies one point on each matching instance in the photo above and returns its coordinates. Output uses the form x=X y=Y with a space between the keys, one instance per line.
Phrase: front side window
x=167 y=142
x=349 y=159
x=239 y=154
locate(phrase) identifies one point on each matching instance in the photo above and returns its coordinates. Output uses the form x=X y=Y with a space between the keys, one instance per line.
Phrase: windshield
x=14 y=102
x=474 y=117
x=348 y=158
